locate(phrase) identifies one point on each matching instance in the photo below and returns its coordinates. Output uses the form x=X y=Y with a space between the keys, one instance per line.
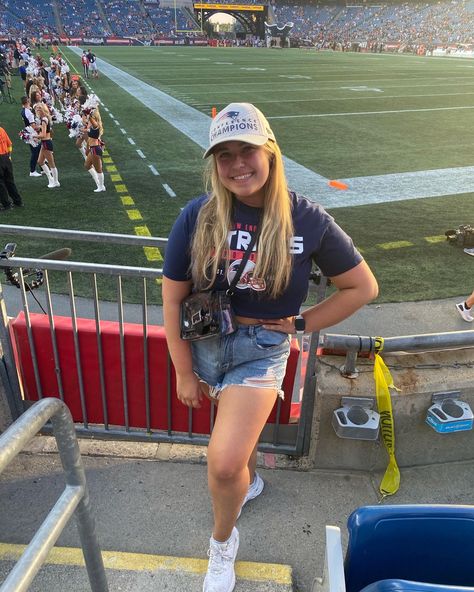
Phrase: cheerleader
x=46 y=152
x=93 y=162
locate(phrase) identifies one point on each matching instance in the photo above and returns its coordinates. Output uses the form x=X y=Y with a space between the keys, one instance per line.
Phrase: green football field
x=382 y=123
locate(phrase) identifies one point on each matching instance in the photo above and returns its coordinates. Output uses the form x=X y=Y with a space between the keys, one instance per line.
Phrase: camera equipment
x=463 y=236
x=13 y=274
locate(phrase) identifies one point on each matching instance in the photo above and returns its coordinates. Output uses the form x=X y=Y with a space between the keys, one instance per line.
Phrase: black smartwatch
x=300 y=325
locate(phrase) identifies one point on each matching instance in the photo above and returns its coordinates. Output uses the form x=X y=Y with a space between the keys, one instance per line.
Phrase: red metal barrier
x=133 y=336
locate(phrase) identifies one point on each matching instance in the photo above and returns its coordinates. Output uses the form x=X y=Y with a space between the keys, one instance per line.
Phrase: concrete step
x=132 y=572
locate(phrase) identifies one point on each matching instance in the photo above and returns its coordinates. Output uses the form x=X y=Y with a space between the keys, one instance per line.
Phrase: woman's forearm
x=180 y=351
x=354 y=289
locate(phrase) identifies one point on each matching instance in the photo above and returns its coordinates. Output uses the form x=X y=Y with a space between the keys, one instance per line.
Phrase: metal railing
x=355 y=344
x=74 y=499
x=285 y=438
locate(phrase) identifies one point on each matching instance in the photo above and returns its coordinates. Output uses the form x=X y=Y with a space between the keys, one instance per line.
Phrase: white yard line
x=168 y=190
x=368 y=112
x=153 y=170
x=362 y=190
x=132 y=142
x=140 y=154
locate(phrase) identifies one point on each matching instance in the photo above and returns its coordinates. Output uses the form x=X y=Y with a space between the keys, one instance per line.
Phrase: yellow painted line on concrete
x=134 y=215
x=395 y=245
x=245 y=570
x=440 y=238
x=127 y=200
x=107 y=160
x=121 y=188
x=111 y=168
x=115 y=178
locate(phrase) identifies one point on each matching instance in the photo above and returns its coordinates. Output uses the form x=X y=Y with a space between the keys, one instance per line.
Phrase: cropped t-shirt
x=317 y=238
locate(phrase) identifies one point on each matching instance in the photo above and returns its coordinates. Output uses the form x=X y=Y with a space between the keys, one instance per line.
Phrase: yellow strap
x=383 y=381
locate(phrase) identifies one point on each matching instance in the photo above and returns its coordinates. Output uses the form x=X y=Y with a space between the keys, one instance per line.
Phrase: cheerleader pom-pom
x=56 y=116
x=29 y=136
x=91 y=104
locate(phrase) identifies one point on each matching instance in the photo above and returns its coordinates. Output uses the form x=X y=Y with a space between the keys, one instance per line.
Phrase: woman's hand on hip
x=188 y=390
x=284 y=325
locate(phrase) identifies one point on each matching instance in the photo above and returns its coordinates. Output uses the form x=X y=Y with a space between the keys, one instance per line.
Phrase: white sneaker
x=35 y=174
x=465 y=312
x=220 y=575
x=254 y=490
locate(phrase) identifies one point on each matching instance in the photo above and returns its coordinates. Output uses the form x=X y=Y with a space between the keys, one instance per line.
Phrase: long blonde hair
x=95 y=115
x=274 y=261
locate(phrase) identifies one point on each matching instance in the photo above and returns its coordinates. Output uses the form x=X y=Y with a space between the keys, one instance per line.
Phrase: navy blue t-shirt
x=316 y=238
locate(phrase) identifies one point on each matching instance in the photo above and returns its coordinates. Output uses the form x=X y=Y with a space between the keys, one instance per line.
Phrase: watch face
x=299 y=323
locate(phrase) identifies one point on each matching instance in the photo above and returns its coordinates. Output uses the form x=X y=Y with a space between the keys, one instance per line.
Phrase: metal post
x=74 y=497
x=75 y=476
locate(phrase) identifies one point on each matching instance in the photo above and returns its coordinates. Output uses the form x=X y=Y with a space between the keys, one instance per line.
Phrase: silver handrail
x=355 y=344
x=75 y=497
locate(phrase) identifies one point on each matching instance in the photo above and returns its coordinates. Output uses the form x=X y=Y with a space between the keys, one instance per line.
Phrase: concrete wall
x=416 y=443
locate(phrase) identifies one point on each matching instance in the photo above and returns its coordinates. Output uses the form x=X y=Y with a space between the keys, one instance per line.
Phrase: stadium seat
x=406 y=586
x=402 y=548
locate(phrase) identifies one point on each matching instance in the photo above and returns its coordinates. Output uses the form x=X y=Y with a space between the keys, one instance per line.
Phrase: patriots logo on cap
x=230 y=114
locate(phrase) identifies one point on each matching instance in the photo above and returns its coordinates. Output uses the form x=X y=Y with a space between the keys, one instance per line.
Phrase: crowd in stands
x=125 y=18
x=20 y=17
x=431 y=24
x=164 y=23
x=81 y=19
x=437 y=23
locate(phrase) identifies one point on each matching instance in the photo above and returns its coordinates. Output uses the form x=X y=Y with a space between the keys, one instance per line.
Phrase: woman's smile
x=243 y=169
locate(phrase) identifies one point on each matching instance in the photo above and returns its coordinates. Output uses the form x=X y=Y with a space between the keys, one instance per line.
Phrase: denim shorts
x=252 y=356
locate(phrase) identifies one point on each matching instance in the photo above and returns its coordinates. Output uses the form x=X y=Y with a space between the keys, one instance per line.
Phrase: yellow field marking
x=115 y=178
x=121 y=189
x=105 y=152
x=127 y=200
x=142 y=231
x=245 y=570
x=395 y=245
x=435 y=239
x=107 y=160
x=153 y=254
x=111 y=168
x=134 y=215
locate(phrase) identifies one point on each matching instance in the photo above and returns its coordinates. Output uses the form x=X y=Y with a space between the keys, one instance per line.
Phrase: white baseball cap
x=241 y=122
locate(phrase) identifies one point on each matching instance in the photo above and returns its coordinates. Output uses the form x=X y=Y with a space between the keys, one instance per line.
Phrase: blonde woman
x=46 y=154
x=244 y=370
x=93 y=162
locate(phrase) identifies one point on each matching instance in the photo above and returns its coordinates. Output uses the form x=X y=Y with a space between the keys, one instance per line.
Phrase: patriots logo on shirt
x=230 y=115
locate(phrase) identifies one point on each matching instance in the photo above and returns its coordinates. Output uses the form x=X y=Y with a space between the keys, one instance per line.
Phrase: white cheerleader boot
x=47 y=171
x=54 y=172
x=93 y=174
x=100 y=186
